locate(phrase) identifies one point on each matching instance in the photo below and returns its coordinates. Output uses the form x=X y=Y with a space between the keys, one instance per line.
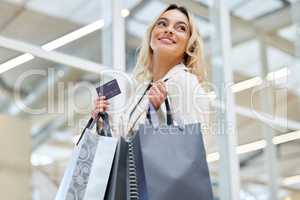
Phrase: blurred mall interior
x=52 y=51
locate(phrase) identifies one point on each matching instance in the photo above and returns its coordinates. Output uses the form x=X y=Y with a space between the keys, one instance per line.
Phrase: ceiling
x=37 y=22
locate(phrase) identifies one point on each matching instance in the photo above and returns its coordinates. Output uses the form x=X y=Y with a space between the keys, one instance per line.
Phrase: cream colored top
x=188 y=101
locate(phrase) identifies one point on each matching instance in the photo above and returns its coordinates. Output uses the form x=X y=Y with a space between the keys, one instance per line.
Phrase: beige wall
x=295 y=196
x=15 y=167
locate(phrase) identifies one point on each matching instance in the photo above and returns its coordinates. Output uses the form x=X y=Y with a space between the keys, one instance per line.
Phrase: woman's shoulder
x=186 y=82
x=181 y=72
x=186 y=75
x=184 y=78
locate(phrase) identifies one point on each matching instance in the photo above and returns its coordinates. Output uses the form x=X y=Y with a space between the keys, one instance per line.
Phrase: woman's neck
x=161 y=65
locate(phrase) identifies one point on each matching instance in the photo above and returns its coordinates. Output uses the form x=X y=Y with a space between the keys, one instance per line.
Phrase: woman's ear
x=192 y=48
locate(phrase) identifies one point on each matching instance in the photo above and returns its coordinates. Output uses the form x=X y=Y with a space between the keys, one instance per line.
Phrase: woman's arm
x=100 y=105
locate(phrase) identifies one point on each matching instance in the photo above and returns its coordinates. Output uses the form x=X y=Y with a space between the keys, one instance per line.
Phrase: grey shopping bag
x=87 y=175
x=170 y=161
x=117 y=185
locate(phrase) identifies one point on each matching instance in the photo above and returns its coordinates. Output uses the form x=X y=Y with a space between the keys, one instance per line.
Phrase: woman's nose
x=169 y=30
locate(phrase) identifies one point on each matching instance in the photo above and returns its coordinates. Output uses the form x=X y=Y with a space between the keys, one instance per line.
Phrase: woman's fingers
x=154 y=101
x=101 y=105
x=161 y=86
x=159 y=89
x=157 y=94
x=101 y=100
x=154 y=93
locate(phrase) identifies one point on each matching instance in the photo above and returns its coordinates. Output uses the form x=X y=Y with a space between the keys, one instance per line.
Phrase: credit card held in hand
x=109 y=89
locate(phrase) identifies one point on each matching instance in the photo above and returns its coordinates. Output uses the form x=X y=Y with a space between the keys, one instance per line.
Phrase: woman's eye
x=161 y=23
x=182 y=28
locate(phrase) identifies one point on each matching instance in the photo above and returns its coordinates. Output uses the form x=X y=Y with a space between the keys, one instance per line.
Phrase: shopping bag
x=170 y=160
x=87 y=175
x=117 y=185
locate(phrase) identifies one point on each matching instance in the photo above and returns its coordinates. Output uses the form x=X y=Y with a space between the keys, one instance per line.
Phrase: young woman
x=169 y=65
x=171 y=60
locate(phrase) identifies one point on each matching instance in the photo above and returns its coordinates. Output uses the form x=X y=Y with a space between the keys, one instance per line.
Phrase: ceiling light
x=291 y=180
x=260 y=144
x=212 y=157
x=15 y=62
x=286 y=137
x=253 y=146
x=243 y=85
x=68 y=38
x=125 y=13
x=252 y=82
x=284 y=72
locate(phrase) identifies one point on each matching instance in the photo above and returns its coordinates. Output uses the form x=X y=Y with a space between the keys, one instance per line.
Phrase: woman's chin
x=166 y=49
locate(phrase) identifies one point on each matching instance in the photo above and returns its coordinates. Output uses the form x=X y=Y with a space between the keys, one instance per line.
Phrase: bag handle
x=92 y=121
x=153 y=118
x=139 y=101
x=171 y=117
x=169 y=113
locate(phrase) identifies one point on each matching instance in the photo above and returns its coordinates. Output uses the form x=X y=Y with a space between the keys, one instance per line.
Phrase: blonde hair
x=194 y=54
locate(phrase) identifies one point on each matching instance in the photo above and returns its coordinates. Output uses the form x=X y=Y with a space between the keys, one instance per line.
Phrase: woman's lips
x=166 y=40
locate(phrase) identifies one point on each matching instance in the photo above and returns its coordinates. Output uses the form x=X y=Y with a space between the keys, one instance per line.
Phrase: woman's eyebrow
x=166 y=19
x=181 y=22
x=163 y=18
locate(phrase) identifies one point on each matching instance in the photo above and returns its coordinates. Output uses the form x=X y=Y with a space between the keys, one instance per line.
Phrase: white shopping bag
x=88 y=172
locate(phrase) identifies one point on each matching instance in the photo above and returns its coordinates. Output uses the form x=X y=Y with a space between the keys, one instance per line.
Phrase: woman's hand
x=100 y=105
x=157 y=94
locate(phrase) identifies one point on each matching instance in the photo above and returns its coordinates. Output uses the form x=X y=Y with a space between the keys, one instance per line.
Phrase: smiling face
x=170 y=34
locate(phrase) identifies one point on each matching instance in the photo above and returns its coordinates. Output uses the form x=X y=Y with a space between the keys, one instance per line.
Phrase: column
x=229 y=183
